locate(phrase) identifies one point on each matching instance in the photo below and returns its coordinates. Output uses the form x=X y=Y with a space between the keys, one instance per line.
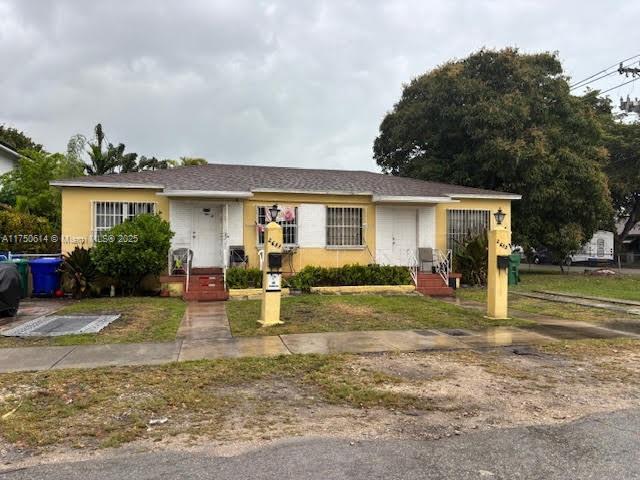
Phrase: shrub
x=238 y=277
x=472 y=260
x=311 y=276
x=25 y=233
x=79 y=273
x=133 y=249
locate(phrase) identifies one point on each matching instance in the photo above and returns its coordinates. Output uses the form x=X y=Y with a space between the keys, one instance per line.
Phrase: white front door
x=403 y=235
x=206 y=235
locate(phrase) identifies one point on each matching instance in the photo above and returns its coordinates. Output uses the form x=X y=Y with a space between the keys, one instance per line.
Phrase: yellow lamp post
x=498 y=274
x=271 y=271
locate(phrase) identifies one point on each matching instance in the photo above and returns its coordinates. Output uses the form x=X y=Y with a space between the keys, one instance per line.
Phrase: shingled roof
x=253 y=178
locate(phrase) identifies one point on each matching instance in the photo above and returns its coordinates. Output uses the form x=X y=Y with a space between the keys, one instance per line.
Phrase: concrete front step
x=208 y=296
x=436 y=291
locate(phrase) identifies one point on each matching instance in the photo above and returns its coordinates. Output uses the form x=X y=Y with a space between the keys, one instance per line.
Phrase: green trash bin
x=514 y=269
x=23 y=270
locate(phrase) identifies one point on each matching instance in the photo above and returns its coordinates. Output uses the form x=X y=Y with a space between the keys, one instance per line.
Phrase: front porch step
x=433 y=285
x=202 y=296
x=437 y=291
x=206 y=271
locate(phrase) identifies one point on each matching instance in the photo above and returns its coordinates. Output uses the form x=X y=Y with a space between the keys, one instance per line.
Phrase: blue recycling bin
x=45 y=275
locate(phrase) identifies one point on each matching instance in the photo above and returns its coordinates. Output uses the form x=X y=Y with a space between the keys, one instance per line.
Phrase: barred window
x=110 y=214
x=345 y=226
x=464 y=224
x=289 y=228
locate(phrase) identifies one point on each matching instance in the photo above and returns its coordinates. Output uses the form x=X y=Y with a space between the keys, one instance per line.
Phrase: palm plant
x=472 y=260
x=79 y=273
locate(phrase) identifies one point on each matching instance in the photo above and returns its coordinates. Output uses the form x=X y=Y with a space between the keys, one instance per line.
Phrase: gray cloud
x=301 y=83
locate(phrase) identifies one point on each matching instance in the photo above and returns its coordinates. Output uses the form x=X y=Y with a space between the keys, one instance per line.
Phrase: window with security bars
x=110 y=214
x=465 y=224
x=345 y=227
x=289 y=228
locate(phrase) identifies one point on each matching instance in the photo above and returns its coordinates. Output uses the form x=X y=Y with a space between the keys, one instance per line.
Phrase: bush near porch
x=311 y=276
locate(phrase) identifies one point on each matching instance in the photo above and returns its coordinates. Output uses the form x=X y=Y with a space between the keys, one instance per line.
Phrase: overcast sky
x=291 y=82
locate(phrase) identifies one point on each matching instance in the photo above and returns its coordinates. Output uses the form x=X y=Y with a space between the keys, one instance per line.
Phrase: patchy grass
x=144 y=319
x=553 y=309
x=626 y=287
x=327 y=313
x=108 y=407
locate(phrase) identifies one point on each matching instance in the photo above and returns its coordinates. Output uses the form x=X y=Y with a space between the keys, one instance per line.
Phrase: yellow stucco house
x=330 y=217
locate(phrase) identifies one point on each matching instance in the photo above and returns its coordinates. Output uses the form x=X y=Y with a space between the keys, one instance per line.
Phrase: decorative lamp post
x=271 y=271
x=498 y=272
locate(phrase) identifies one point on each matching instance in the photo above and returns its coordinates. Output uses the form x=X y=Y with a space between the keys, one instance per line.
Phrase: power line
x=603 y=71
x=621 y=85
x=594 y=80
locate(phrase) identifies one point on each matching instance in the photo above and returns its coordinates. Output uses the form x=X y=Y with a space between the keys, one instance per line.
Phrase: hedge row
x=311 y=276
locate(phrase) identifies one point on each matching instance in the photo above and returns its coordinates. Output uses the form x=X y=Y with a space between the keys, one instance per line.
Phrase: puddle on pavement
x=456 y=332
x=562 y=332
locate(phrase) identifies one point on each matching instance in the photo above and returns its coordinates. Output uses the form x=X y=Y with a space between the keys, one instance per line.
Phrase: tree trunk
x=631 y=222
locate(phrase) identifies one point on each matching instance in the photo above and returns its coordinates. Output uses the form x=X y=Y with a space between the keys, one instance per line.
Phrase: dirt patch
x=356 y=310
x=422 y=395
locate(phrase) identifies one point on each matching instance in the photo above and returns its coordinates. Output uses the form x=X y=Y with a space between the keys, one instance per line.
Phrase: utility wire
x=603 y=71
x=594 y=80
x=621 y=85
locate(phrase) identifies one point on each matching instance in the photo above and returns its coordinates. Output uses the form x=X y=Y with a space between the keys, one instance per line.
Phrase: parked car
x=541 y=255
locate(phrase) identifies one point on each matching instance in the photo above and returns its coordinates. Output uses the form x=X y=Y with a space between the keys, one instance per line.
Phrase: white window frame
x=352 y=225
x=261 y=222
x=120 y=211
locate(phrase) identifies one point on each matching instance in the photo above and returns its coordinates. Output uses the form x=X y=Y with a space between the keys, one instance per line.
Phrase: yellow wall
x=76 y=210
x=325 y=257
x=77 y=222
x=468 y=204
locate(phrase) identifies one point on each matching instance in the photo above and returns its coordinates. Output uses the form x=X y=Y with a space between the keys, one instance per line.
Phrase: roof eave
x=411 y=199
x=71 y=183
x=205 y=194
x=486 y=196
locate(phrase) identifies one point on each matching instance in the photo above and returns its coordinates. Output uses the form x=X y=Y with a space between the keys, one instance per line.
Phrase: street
x=601 y=446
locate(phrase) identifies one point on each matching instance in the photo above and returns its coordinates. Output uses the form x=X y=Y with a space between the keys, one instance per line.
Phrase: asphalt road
x=598 y=447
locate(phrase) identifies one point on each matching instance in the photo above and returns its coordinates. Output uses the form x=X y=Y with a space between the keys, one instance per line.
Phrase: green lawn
x=326 y=313
x=626 y=287
x=144 y=319
x=615 y=287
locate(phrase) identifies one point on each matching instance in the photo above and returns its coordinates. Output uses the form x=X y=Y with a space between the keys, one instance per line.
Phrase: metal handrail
x=413 y=265
x=443 y=264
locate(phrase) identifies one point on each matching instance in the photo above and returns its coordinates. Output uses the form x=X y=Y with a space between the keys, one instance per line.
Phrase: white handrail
x=413 y=265
x=443 y=264
x=261 y=256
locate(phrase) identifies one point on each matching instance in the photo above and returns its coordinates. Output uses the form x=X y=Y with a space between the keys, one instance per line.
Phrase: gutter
x=205 y=193
x=71 y=183
x=486 y=196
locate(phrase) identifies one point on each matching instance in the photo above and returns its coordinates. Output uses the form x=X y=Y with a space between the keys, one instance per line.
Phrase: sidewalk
x=205 y=334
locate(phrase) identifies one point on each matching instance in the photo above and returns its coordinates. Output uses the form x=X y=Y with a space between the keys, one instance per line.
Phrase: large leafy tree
x=506 y=121
x=17 y=139
x=623 y=144
x=27 y=188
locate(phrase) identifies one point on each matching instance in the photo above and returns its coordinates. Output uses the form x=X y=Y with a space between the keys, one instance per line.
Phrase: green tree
x=17 y=139
x=27 y=187
x=152 y=163
x=189 y=161
x=623 y=144
x=109 y=159
x=506 y=121
x=133 y=249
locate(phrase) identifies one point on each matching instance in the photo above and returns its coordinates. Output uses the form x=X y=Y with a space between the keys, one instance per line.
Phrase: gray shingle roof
x=247 y=178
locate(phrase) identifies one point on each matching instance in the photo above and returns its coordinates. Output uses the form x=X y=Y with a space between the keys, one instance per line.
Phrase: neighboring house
x=8 y=158
x=333 y=217
x=630 y=248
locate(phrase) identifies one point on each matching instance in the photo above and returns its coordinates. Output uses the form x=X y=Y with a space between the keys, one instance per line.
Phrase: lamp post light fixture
x=499 y=216
x=273 y=212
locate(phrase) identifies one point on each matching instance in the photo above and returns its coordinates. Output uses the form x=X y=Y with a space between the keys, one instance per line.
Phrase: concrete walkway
x=205 y=334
